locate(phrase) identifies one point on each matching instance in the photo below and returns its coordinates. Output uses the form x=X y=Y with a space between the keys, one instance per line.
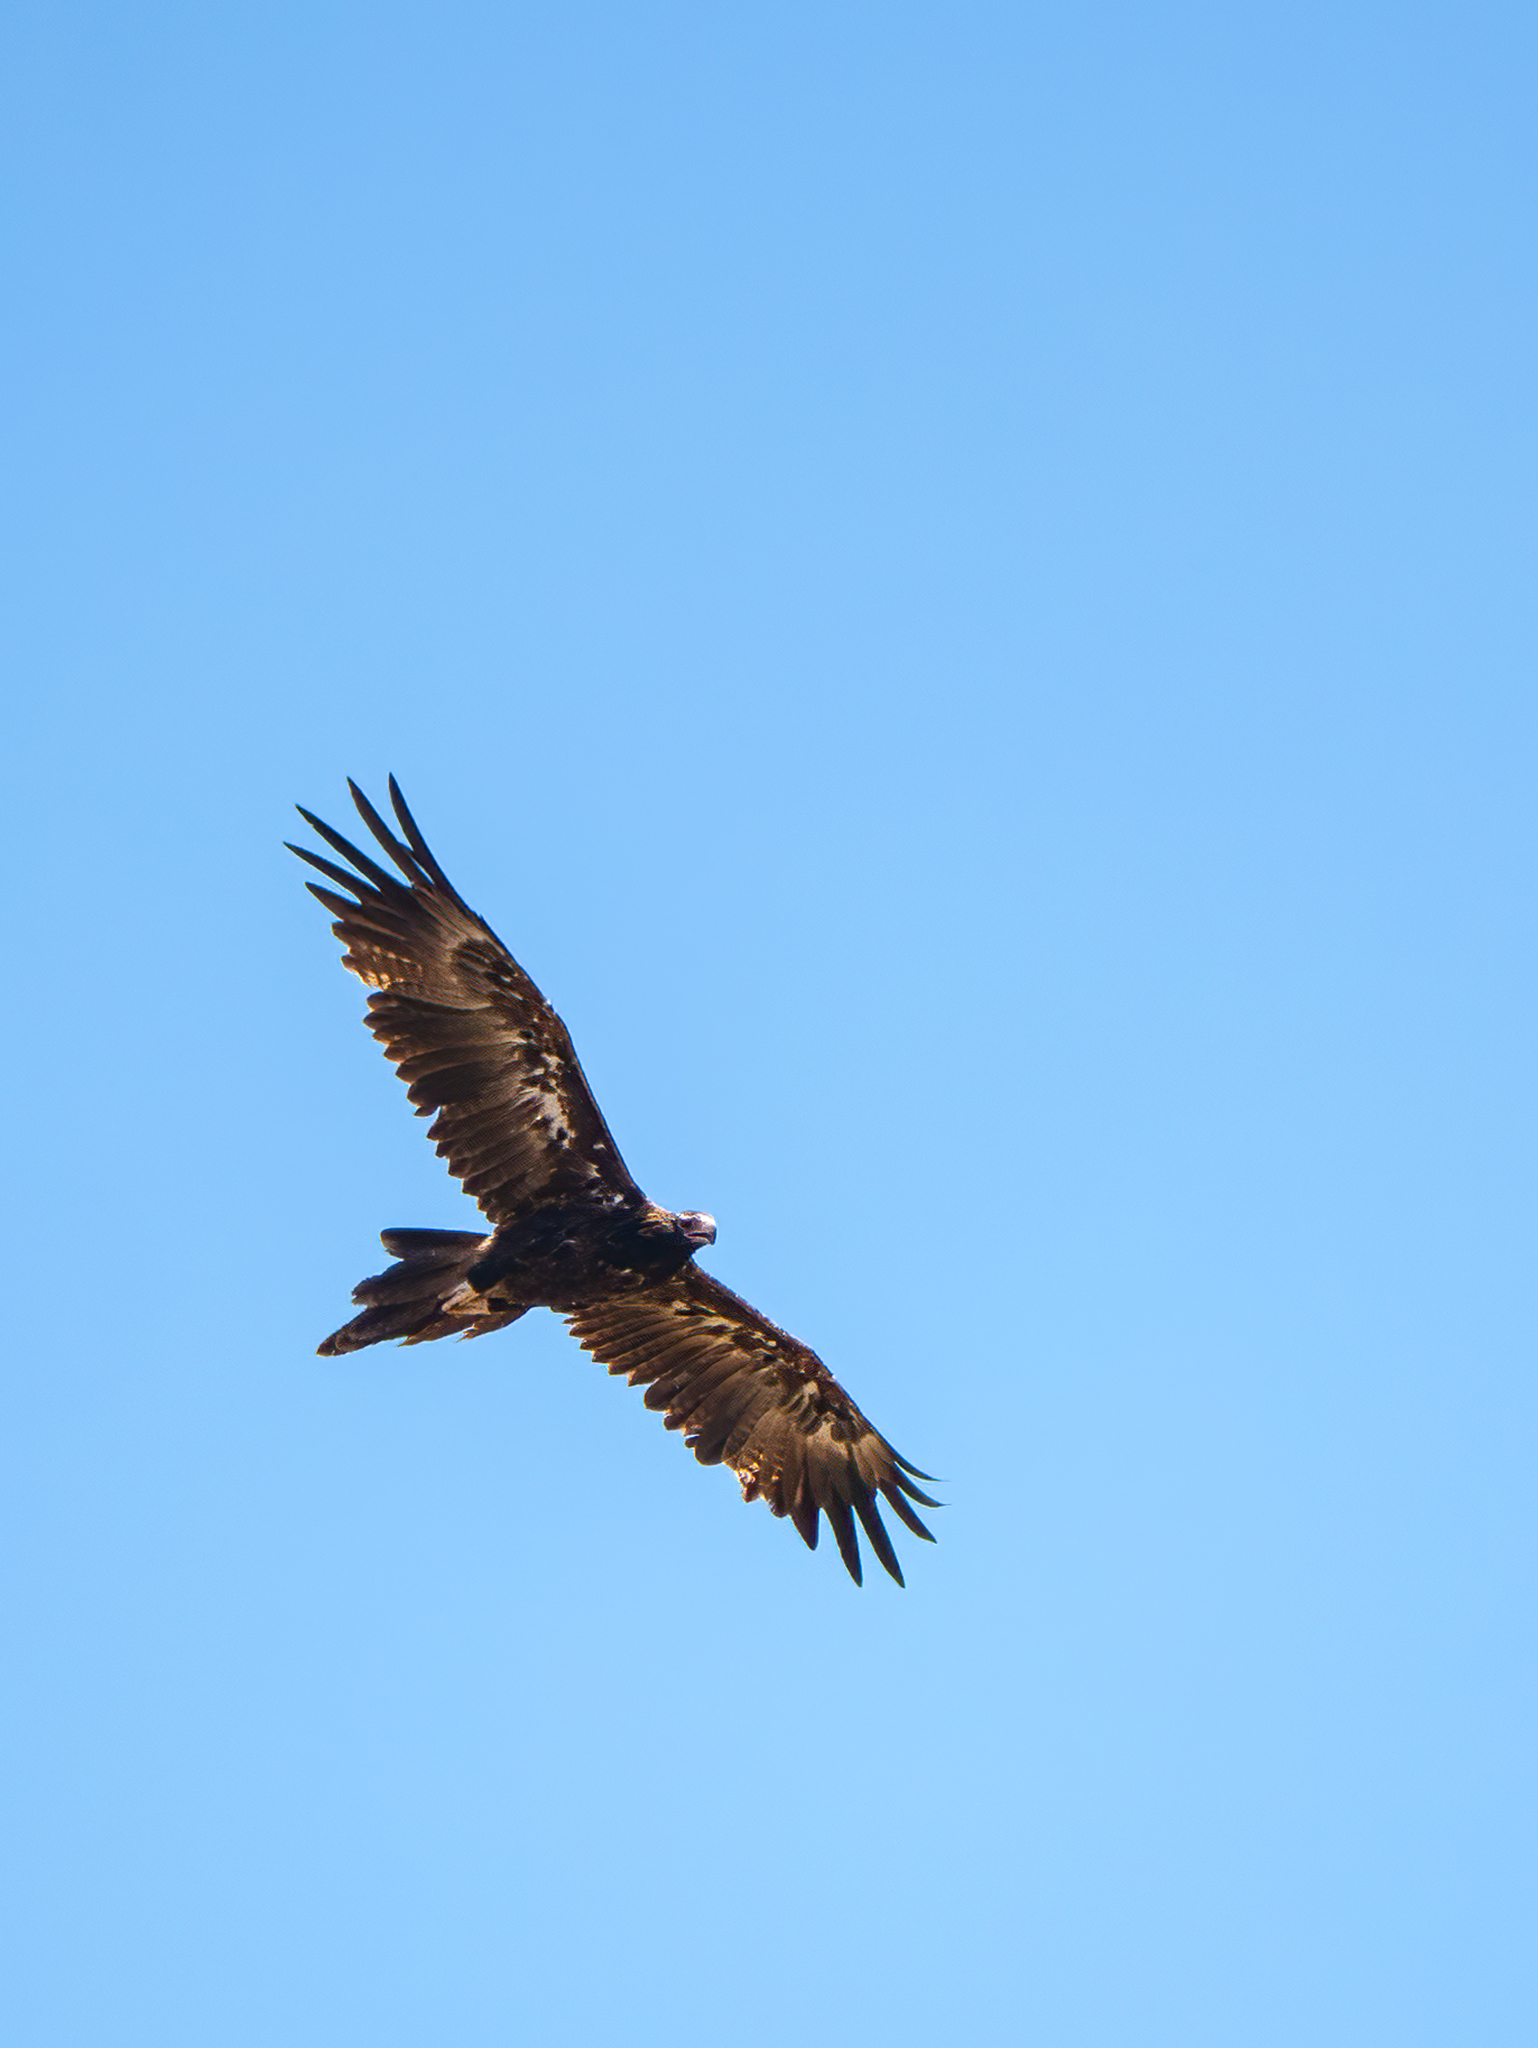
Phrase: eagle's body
x=570 y=1230
x=577 y=1254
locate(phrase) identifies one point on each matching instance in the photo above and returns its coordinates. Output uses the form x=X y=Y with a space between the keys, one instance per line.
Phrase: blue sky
x=957 y=585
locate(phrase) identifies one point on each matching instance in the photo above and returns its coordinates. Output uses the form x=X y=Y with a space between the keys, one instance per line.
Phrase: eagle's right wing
x=465 y=1028
x=750 y=1396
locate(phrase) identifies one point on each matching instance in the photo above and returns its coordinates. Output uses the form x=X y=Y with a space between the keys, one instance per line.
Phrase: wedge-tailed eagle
x=475 y=1041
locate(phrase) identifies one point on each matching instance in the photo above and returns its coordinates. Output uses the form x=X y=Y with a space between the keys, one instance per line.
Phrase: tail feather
x=448 y=1244
x=406 y=1301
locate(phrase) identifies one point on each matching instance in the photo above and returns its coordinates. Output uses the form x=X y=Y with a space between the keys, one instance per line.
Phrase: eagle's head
x=661 y=1227
x=697 y=1226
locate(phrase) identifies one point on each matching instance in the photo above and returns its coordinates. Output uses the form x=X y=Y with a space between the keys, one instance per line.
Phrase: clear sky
x=957 y=583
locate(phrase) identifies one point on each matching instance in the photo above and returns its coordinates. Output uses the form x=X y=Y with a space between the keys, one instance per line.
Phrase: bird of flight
x=475 y=1041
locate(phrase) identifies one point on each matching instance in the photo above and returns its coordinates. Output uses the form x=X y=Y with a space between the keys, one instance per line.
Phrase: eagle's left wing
x=750 y=1396
x=465 y=1027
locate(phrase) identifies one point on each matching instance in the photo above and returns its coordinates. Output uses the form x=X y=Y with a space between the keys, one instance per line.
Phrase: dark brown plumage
x=476 y=1042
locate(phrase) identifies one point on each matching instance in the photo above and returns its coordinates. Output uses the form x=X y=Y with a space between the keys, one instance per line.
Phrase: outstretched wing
x=749 y=1396
x=465 y=1027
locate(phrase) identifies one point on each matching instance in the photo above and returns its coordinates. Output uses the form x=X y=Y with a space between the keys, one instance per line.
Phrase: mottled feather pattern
x=748 y=1395
x=465 y=1028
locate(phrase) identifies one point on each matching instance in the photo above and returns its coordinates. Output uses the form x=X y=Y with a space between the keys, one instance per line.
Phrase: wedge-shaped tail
x=406 y=1301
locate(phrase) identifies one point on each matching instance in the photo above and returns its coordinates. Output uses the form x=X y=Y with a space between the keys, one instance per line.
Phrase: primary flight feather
x=475 y=1041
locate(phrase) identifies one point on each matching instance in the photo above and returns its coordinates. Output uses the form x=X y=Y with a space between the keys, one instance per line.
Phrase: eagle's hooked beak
x=697 y=1226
